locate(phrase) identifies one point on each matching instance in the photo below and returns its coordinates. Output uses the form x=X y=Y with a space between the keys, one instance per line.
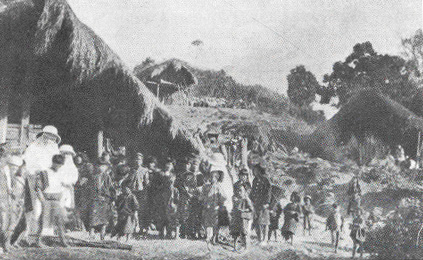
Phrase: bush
x=397 y=238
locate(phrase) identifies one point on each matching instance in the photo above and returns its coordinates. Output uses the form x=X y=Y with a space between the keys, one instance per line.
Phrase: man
x=261 y=196
x=38 y=158
x=49 y=188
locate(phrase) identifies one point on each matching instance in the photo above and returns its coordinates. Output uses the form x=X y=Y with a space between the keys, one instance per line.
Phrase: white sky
x=255 y=41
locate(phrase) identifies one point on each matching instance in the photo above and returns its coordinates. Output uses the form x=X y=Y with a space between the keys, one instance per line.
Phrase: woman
x=102 y=195
x=292 y=213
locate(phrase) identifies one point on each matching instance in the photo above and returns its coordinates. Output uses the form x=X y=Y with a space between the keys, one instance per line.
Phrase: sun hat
x=307 y=197
x=66 y=148
x=15 y=160
x=49 y=129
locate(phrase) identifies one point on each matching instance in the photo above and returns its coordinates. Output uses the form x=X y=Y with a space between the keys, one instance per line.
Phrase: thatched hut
x=166 y=78
x=56 y=70
x=369 y=113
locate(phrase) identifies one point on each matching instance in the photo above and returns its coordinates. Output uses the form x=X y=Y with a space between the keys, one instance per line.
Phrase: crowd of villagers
x=60 y=190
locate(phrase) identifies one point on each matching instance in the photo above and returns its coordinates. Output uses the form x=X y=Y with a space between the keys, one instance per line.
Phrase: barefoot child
x=308 y=211
x=242 y=216
x=334 y=223
x=275 y=215
x=212 y=199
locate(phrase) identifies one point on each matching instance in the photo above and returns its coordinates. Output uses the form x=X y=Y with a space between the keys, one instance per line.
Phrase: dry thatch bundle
x=78 y=83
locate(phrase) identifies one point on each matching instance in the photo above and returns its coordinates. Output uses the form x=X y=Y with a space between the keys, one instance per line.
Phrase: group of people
x=51 y=187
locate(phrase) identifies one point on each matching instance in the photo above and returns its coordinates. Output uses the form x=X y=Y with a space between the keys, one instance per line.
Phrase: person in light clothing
x=70 y=176
x=38 y=158
x=49 y=187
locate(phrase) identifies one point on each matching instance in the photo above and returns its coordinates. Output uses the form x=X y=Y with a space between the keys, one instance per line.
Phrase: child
x=308 y=213
x=275 y=215
x=334 y=223
x=49 y=189
x=172 y=224
x=242 y=216
x=212 y=200
x=358 y=232
x=127 y=207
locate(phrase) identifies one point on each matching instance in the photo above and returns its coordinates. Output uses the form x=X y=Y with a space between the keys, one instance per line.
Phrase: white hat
x=217 y=159
x=66 y=148
x=53 y=131
x=15 y=160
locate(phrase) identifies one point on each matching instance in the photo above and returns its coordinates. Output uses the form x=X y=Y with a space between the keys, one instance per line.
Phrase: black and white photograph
x=211 y=129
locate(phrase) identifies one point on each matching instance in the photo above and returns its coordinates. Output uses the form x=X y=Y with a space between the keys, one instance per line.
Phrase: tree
x=302 y=86
x=413 y=52
x=364 y=68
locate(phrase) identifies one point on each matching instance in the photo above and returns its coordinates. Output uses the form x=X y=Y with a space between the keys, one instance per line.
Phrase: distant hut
x=56 y=70
x=368 y=113
x=166 y=78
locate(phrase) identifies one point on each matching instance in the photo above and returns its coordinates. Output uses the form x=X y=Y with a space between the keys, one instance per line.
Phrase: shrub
x=397 y=238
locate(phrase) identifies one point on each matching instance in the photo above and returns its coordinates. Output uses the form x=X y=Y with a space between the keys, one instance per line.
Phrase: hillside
x=218 y=84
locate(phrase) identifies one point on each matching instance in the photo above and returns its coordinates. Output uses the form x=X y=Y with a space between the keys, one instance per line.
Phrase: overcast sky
x=255 y=41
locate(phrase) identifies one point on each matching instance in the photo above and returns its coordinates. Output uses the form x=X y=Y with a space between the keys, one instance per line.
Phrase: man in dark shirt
x=261 y=196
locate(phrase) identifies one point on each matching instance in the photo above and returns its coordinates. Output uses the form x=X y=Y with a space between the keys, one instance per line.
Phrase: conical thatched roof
x=370 y=112
x=172 y=75
x=77 y=82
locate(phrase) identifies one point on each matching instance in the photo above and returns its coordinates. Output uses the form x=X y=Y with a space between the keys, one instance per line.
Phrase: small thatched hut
x=368 y=113
x=56 y=70
x=166 y=78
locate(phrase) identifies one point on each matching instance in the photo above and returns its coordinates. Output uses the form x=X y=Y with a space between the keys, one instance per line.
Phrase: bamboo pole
x=25 y=116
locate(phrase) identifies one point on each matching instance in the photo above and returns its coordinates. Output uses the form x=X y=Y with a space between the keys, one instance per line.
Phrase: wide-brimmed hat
x=217 y=159
x=307 y=197
x=49 y=129
x=15 y=160
x=66 y=148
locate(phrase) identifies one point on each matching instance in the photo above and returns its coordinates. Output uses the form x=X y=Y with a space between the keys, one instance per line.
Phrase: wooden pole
x=24 y=131
x=419 y=149
x=4 y=113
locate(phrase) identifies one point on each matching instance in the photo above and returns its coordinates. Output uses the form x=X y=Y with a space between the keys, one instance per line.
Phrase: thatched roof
x=76 y=79
x=173 y=72
x=370 y=112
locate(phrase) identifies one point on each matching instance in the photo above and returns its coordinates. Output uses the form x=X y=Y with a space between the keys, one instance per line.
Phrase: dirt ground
x=306 y=247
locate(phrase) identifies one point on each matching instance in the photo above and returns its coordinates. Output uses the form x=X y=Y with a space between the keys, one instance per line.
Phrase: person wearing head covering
x=261 y=194
x=292 y=213
x=38 y=156
x=49 y=188
x=70 y=176
x=308 y=212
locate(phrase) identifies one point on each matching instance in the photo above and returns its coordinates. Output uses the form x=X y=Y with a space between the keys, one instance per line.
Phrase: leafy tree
x=302 y=86
x=364 y=68
x=413 y=51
